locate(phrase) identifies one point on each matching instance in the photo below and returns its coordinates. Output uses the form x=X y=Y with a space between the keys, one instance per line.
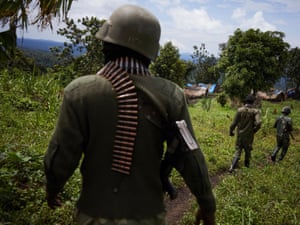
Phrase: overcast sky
x=191 y=22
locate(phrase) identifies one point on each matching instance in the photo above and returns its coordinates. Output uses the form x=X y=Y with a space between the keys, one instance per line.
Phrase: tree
x=15 y=14
x=293 y=66
x=204 y=65
x=17 y=11
x=169 y=65
x=82 y=39
x=252 y=61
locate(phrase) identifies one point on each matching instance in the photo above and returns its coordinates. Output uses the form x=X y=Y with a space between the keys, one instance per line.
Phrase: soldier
x=116 y=123
x=284 y=127
x=248 y=122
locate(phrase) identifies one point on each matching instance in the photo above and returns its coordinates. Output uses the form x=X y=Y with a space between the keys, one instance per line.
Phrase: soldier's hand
x=208 y=219
x=53 y=200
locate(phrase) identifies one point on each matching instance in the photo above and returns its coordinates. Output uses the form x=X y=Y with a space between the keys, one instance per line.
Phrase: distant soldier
x=284 y=127
x=248 y=122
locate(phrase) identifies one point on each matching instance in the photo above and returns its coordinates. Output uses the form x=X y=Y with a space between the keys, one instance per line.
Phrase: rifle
x=292 y=136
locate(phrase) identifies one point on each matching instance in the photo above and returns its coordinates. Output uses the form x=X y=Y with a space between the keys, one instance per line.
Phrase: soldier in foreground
x=116 y=123
x=248 y=121
x=284 y=127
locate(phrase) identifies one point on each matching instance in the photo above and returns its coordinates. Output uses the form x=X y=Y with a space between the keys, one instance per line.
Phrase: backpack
x=283 y=126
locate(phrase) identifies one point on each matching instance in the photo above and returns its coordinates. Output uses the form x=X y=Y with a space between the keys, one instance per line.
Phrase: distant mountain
x=186 y=56
x=39 y=50
x=38 y=44
x=45 y=45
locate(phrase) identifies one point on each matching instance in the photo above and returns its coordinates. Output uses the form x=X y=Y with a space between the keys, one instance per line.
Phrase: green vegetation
x=17 y=14
x=205 y=69
x=252 y=60
x=264 y=194
x=169 y=65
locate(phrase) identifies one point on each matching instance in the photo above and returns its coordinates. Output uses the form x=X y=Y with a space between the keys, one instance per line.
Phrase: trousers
x=83 y=219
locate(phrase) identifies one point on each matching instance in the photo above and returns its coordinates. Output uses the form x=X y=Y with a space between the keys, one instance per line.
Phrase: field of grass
x=263 y=194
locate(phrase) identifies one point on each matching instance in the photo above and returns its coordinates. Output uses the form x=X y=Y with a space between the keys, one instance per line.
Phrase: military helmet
x=286 y=110
x=250 y=99
x=132 y=27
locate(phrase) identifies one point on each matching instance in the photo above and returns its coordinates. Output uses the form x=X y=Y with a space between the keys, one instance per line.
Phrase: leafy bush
x=222 y=99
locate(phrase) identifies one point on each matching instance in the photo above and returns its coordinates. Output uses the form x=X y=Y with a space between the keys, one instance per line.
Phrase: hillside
x=39 y=51
x=41 y=45
x=38 y=44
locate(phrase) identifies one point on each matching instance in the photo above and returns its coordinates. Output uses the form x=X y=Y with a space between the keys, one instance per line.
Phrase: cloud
x=164 y=3
x=257 y=21
x=99 y=8
x=191 y=22
x=264 y=6
x=196 y=19
x=271 y=6
x=186 y=28
x=291 y=6
x=238 y=13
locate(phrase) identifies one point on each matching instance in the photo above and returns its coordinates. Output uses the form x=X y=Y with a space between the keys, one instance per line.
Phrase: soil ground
x=182 y=204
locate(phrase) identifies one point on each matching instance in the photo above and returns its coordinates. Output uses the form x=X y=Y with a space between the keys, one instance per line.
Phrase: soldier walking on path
x=284 y=127
x=115 y=123
x=247 y=120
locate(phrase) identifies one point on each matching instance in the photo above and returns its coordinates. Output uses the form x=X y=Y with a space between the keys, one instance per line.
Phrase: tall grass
x=265 y=193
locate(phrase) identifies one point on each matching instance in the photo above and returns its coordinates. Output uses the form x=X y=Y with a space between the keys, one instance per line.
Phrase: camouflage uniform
x=114 y=124
x=248 y=122
x=284 y=127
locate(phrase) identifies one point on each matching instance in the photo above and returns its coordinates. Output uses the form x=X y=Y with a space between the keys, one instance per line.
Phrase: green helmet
x=250 y=99
x=132 y=27
x=286 y=110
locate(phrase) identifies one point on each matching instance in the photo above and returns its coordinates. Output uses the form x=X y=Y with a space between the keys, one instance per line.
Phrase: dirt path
x=182 y=204
x=177 y=207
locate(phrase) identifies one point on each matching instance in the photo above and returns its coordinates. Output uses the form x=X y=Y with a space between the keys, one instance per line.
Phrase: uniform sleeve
x=234 y=122
x=258 y=121
x=276 y=122
x=192 y=166
x=65 y=148
x=290 y=125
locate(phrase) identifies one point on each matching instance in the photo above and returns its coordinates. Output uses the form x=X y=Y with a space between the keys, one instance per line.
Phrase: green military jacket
x=284 y=126
x=248 y=121
x=84 y=135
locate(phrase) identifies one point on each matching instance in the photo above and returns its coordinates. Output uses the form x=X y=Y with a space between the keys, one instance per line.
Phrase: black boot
x=247 y=163
x=273 y=156
x=283 y=152
x=234 y=163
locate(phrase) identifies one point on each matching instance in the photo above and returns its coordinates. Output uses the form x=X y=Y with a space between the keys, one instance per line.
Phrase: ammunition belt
x=127 y=120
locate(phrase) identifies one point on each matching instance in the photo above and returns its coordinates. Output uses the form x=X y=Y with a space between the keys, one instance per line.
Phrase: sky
x=188 y=23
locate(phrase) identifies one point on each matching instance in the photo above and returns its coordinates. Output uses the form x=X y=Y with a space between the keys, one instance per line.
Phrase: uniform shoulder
x=249 y=108
x=83 y=82
x=160 y=84
x=242 y=109
x=168 y=88
x=287 y=118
